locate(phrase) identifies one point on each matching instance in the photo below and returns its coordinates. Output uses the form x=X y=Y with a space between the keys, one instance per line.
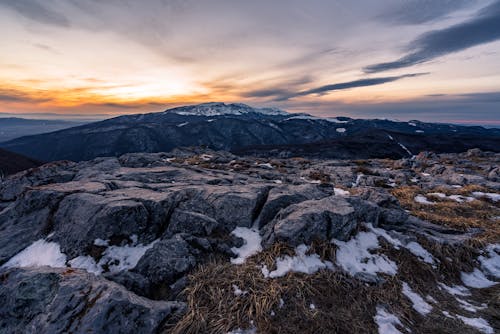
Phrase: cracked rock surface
x=144 y=221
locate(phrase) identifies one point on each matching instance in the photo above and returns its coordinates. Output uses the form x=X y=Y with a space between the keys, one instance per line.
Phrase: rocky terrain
x=198 y=241
x=246 y=130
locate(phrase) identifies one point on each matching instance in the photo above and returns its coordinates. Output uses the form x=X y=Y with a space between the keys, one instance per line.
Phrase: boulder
x=190 y=222
x=167 y=261
x=284 y=196
x=51 y=301
x=82 y=218
x=324 y=219
x=27 y=220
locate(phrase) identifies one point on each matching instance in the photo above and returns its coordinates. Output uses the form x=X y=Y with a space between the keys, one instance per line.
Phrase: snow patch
x=340 y=130
x=238 y=292
x=456 y=290
x=100 y=242
x=456 y=198
x=86 y=263
x=478 y=323
x=493 y=196
x=300 y=263
x=358 y=179
x=341 y=192
x=251 y=330
x=476 y=279
x=419 y=304
x=38 y=254
x=405 y=148
x=119 y=258
x=266 y=165
x=468 y=306
x=490 y=262
x=417 y=250
x=251 y=246
x=354 y=256
x=414 y=247
x=386 y=321
x=182 y=124
x=421 y=199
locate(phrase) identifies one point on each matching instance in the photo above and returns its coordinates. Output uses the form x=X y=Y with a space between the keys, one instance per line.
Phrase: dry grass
x=342 y=304
x=320 y=175
x=479 y=213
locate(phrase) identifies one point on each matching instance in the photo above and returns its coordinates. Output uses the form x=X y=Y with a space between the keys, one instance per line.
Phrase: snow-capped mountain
x=220 y=109
x=242 y=128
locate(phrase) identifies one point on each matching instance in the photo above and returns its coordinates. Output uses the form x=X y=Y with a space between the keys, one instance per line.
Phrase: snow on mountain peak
x=219 y=108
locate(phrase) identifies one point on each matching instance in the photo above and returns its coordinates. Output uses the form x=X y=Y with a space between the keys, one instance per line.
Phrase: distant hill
x=11 y=163
x=241 y=128
x=14 y=127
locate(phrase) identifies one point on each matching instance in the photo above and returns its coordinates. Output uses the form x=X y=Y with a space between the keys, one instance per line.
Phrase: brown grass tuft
x=342 y=304
x=479 y=213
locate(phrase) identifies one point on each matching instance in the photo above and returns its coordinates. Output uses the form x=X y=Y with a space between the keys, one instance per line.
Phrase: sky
x=432 y=60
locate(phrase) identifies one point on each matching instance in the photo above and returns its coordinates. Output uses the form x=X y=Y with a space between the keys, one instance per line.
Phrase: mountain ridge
x=233 y=127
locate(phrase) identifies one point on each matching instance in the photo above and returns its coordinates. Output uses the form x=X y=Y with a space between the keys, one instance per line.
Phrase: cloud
x=479 y=106
x=490 y=97
x=10 y=95
x=422 y=11
x=483 y=28
x=33 y=10
x=282 y=94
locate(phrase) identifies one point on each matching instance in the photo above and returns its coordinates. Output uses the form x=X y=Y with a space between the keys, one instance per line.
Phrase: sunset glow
x=115 y=58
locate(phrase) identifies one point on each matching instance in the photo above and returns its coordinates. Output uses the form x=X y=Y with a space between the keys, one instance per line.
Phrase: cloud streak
x=483 y=28
x=281 y=94
x=14 y=96
x=422 y=11
x=37 y=12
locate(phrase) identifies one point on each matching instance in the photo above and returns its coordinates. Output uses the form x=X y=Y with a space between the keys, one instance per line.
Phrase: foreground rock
x=126 y=232
x=48 y=300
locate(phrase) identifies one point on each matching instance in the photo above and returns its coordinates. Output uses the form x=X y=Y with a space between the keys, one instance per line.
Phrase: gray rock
x=379 y=196
x=190 y=222
x=392 y=217
x=131 y=281
x=230 y=206
x=494 y=175
x=27 y=220
x=82 y=218
x=283 y=196
x=51 y=301
x=324 y=219
x=167 y=261
x=54 y=172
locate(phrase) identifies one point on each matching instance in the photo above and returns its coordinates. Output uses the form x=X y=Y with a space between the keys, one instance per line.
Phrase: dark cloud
x=33 y=10
x=482 y=107
x=422 y=11
x=9 y=95
x=282 y=94
x=267 y=92
x=483 y=28
x=491 y=97
x=357 y=83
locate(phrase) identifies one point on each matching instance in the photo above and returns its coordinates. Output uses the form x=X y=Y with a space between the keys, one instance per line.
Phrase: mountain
x=238 y=127
x=200 y=241
x=14 y=127
x=11 y=163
